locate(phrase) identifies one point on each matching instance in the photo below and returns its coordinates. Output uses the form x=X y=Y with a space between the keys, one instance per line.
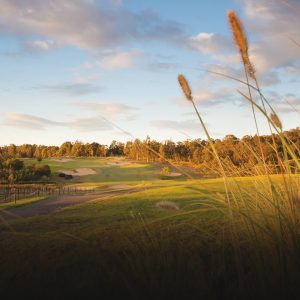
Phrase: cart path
x=54 y=204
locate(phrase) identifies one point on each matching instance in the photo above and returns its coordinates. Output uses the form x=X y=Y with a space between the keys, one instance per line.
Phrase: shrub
x=165 y=171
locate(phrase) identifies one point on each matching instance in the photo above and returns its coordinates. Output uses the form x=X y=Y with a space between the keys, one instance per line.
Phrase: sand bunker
x=171 y=174
x=119 y=186
x=167 y=205
x=79 y=172
x=119 y=163
x=62 y=160
x=174 y=174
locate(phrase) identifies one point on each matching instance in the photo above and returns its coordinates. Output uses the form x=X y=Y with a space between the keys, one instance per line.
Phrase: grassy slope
x=124 y=242
x=105 y=173
x=88 y=240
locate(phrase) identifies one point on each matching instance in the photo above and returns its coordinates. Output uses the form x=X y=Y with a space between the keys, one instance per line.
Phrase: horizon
x=73 y=69
x=142 y=139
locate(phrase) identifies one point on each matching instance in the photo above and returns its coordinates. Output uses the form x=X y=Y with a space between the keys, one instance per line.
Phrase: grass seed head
x=241 y=42
x=185 y=87
x=275 y=119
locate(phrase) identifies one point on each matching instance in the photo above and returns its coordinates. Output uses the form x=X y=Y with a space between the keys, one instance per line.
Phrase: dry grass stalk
x=241 y=41
x=185 y=87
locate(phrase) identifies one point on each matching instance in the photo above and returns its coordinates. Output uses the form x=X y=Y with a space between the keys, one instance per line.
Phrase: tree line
x=241 y=154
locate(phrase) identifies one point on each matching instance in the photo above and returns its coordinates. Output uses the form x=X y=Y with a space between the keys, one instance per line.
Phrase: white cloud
x=121 y=60
x=110 y=109
x=205 y=95
x=102 y=112
x=272 y=31
x=209 y=43
x=40 y=45
x=179 y=126
x=89 y=124
x=86 y=79
x=27 y=121
x=289 y=103
x=20 y=120
x=83 y=23
x=73 y=89
x=294 y=69
x=275 y=25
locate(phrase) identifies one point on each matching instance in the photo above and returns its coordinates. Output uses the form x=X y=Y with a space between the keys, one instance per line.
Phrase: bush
x=61 y=175
x=42 y=170
x=165 y=171
x=68 y=177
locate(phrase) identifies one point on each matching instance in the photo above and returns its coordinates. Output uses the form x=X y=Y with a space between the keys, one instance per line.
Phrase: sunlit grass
x=105 y=173
x=260 y=218
x=132 y=241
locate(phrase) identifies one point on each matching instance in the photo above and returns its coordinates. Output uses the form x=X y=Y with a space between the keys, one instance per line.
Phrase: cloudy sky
x=98 y=70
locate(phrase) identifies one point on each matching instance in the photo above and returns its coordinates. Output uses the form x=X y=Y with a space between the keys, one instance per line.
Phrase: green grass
x=22 y=202
x=129 y=243
x=97 y=232
x=136 y=172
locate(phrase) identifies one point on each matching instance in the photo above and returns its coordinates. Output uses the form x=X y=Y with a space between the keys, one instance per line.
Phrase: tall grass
x=261 y=220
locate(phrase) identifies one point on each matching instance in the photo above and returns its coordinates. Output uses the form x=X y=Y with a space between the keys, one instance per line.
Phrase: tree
x=78 y=149
x=65 y=149
x=116 y=149
x=12 y=150
x=12 y=170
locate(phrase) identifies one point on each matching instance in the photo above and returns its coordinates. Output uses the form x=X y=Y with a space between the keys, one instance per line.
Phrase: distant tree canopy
x=239 y=153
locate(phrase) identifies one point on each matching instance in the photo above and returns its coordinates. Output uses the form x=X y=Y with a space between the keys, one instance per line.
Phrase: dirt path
x=56 y=203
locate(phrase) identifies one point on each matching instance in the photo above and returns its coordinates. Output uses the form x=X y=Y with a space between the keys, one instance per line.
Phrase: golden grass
x=185 y=87
x=263 y=216
x=274 y=117
x=241 y=41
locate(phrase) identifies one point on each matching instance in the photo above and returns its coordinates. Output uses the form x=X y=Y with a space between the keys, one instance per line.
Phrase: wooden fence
x=9 y=192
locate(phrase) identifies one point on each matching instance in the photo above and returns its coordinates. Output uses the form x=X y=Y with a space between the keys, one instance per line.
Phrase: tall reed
x=265 y=209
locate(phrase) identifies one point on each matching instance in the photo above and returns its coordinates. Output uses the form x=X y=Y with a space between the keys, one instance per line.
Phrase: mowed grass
x=105 y=173
x=83 y=246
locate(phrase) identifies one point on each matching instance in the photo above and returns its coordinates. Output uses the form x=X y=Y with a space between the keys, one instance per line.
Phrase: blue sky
x=92 y=70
